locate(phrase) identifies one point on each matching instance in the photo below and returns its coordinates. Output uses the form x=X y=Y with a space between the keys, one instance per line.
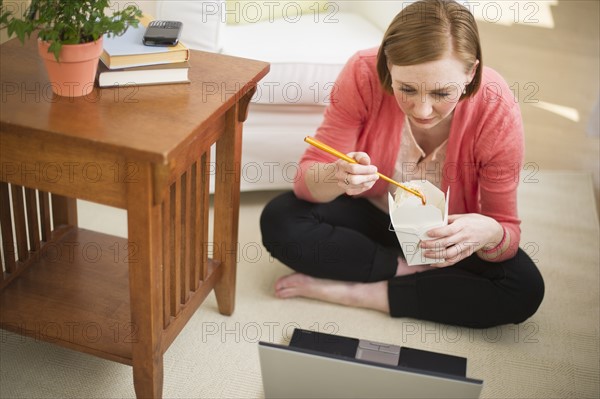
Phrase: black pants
x=349 y=239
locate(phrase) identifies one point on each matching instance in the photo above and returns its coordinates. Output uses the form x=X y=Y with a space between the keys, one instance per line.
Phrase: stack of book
x=127 y=61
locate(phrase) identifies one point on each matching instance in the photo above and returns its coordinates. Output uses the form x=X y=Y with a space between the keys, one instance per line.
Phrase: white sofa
x=306 y=51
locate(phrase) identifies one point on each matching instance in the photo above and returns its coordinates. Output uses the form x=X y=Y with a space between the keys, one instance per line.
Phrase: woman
x=421 y=106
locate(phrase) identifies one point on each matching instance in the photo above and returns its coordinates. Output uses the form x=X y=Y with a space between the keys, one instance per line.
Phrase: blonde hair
x=426 y=31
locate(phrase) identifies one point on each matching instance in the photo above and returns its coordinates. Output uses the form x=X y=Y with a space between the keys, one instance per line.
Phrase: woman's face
x=428 y=93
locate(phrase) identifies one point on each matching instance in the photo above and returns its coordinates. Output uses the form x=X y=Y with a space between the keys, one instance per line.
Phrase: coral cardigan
x=484 y=153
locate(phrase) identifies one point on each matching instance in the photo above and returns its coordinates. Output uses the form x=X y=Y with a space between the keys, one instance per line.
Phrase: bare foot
x=364 y=295
x=404 y=269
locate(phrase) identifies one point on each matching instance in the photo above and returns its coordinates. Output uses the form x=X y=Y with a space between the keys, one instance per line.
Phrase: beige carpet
x=555 y=354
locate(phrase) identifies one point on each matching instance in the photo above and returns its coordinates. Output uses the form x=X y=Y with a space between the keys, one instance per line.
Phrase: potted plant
x=69 y=37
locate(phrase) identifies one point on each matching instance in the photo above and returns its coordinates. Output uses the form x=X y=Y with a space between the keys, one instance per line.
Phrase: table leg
x=145 y=284
x=64 y=210
x=226 y=209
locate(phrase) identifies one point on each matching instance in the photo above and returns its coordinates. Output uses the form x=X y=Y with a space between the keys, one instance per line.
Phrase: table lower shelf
x=76 y=294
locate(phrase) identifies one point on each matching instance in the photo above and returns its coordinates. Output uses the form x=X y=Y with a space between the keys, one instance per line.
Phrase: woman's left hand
x=464 y=235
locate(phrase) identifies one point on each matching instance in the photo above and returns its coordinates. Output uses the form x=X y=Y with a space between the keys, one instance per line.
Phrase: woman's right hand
x=356 y=178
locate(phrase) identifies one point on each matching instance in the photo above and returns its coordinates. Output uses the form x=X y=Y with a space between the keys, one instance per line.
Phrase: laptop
x=319 y=365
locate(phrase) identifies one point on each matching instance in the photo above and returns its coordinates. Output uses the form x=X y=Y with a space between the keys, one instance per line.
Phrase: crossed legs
x=343 y=252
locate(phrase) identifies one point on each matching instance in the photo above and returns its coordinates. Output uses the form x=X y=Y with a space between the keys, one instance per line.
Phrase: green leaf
x=69 y=21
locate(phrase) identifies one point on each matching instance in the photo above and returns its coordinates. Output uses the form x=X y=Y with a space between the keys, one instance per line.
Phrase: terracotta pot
x=74 y=75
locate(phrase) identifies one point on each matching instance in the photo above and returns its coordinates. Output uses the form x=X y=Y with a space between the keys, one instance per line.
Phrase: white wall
x=147 y=6
x=593 y=128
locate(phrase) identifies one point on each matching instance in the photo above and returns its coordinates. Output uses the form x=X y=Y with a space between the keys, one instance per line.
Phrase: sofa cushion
x=252 y=11
x=306 y=55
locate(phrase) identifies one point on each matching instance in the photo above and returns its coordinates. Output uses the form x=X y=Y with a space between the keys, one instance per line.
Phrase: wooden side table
x=144 y=149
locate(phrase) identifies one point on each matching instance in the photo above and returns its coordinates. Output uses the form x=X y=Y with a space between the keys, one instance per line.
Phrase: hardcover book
x=144 y=75
x=128 y=50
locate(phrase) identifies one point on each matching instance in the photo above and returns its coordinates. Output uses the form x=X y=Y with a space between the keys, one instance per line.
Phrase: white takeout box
x=411 y=220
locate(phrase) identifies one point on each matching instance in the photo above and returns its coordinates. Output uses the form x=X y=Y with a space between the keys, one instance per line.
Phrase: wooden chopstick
x=334 y=152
